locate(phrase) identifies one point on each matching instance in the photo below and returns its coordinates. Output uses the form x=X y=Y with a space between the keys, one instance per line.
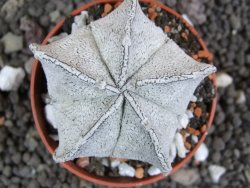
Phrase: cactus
x=119 y=87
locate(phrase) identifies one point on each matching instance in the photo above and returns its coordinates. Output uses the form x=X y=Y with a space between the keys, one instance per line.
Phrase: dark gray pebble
x=16 y=158
x=33 y=184
x=216 y=157
x=25 y=172
x=218 y=144
x=7 y=171
x=35 y=11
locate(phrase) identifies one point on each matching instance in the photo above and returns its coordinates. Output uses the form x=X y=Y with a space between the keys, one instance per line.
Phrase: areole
x=38 y=86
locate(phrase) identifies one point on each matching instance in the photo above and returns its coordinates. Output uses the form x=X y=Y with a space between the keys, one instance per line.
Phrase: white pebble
x=46 y=99
x=49 y=115
x=195 y=138
x=12 y=43
x=202 y=153
x=184 y=120
x=179 y=143
x=105 y=162
x=126 y=170
x=115 y=163
x=241 y=97
x=153 y=171
x=186 y=176
x=200 y=99
x=11 y=78
x=190 y=114
x=185 y=17
x=194 y=98
x=54 y=137
x=80 y=21
x=173 y=152
x=223 y=79
x=216 y=172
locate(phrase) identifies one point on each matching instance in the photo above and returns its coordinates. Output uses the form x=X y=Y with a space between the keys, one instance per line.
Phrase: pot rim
x=51 y=144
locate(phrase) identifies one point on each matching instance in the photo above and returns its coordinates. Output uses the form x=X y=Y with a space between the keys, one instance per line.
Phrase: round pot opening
x=38 y=86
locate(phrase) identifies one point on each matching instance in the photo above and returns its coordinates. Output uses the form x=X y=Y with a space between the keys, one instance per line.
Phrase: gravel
x=186 y=177
x=11 y=78
x=218 y=144
x=216 y=172
x=223 y=79
x=12 y=43
x=202 y=153
x=225 y=27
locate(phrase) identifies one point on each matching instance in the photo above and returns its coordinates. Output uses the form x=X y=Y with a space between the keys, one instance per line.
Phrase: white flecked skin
x=119 y=87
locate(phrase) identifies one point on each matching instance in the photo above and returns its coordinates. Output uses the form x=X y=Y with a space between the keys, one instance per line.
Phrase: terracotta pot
x=38 y=86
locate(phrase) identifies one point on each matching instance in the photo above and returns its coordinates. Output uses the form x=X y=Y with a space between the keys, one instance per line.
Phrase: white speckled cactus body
x=119 y=87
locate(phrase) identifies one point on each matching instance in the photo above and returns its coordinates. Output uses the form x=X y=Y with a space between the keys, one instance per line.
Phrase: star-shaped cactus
x=119 y=87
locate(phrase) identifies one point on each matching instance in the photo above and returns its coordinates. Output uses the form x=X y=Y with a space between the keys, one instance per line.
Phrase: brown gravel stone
x=198 y=112
x=118 y=159
x=184 y=35
x=167 y=29
x=203 y=128
x=151 y=10
x=2 y=120
x=210 y=77
x=187 y=145
x=196 y=57
x=107 y=8
x=139 y=173
x=204 y=54
x=82 y=162
x=193 y=131
x=152 y=14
